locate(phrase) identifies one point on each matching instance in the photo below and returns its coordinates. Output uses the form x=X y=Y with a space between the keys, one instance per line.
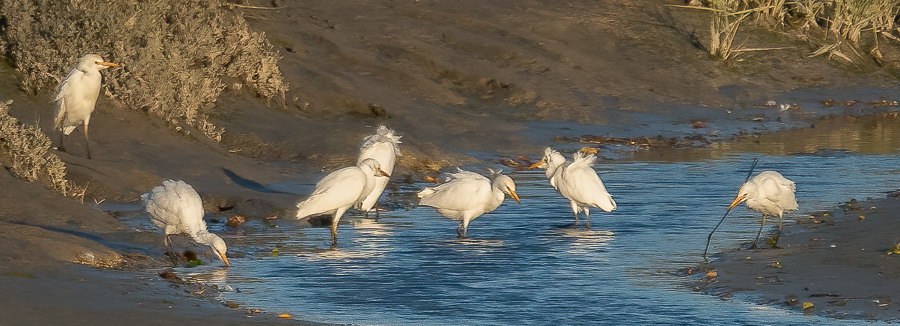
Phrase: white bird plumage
x=383 y=146
x=467 y=195
x=339 y=191
x=176 y=208
x=76 y=97
x=577 y=181
x=770 y=194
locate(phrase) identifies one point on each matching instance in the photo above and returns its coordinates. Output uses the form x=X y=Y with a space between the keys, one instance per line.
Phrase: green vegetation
x=177 y=56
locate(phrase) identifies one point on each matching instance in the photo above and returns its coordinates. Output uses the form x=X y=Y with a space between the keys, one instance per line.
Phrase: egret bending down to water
x=76 y=97
x=340 y=190
x=382 y=147
x=176 y=208
x=468 y=195
x=577 y=181
x=768 y=193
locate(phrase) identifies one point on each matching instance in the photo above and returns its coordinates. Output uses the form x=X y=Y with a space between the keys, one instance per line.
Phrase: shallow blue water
x=529 y=264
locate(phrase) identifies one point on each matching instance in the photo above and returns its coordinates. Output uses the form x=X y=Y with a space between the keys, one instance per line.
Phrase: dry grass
x=177 y=56
x=26 y=152
x=834 y=27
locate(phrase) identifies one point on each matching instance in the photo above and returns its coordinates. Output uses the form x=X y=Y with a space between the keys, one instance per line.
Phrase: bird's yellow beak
x=737 y=201
x=381 y=173
x=108 y=64
x=515 y=196
x=539 y=163
x=223 y=258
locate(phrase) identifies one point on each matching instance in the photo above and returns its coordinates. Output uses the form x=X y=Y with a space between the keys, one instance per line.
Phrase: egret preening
x=768 y=193
x=468 y=195
x=176 y=208
x=382 y=147
x=76 y=97
x=340 y=190
x=577 y=181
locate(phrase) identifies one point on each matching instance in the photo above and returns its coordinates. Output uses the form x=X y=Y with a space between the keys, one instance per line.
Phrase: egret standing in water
x=340 y=190
x=771 y=194
x=577 y=181
x=468 y=195
x=76 y=97
x=382 y=147
x=176 y=208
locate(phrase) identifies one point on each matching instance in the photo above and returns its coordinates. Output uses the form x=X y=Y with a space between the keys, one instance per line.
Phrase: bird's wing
x=64 y=88
x=176 y=204
x=778 y=189
x=579 y=182
x=340 y=188
x=463 y=192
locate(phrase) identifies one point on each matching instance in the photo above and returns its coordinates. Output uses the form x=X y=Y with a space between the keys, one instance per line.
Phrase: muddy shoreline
x=418 y=67
x=837 y=263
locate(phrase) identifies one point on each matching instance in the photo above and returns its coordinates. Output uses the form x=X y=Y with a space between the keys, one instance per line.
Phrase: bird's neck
x=204 y=237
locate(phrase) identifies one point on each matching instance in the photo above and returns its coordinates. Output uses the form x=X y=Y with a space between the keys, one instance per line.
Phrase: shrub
x=177 y=56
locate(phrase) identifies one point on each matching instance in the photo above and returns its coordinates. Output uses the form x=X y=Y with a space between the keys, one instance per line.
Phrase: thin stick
x=709 y=238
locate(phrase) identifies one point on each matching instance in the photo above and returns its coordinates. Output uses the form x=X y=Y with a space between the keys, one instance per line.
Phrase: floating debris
x=285 y=316
x=807 y=305
x=236 y=220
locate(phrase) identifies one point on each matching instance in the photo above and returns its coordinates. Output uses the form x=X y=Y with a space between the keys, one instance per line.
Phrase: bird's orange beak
x=223 y=258
x=108 y=64
x=381 y=173
x=539 y=163
x=515 y=196
x=737 y=201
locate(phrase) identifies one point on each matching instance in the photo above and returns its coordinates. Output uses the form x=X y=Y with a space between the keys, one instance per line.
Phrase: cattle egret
x=770 y=194
x=340 y=190
x=468 y=195
x=176 y=208
x=382 y=147
x=76 y=97
x=577 y=181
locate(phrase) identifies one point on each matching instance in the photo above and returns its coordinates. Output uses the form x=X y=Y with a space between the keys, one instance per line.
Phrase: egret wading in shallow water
x=176 y=208
x=770 y=194
x=382 y=147
x=340 y=190
x=76 y=97
x=576 y=181
x=468 y=195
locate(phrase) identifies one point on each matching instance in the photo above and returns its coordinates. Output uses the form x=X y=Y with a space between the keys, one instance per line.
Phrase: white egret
x=770 y=194
x=577 y=181
x=468 y=195
x=76 y=97
x=340 y=190
x=382 y=147
x=176 y=208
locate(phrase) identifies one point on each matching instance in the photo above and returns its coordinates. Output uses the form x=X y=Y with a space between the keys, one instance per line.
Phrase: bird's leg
x=778 y=235
x=334 y=233
x=459 y=230
x=763 y=223
x=465 y=227
x=574 y=210
x=87 y=141
x=171 y=253
x=62 y=142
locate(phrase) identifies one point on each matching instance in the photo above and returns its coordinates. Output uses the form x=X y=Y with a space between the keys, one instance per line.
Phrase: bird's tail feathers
x=584 y=158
